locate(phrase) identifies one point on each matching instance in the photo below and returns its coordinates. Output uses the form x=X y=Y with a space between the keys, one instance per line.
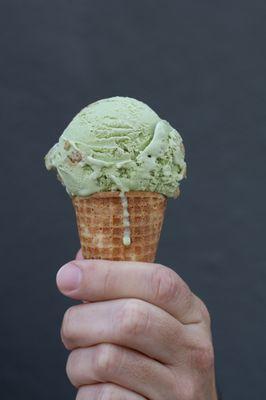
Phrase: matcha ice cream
x=118 y=144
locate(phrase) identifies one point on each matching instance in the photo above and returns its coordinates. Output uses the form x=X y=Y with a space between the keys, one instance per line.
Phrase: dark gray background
x=201 y=65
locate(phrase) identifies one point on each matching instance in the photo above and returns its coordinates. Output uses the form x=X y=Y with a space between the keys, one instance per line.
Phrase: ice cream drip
x=126 y=220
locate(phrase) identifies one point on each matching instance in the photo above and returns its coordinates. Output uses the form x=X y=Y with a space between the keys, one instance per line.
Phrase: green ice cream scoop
x=120 y=144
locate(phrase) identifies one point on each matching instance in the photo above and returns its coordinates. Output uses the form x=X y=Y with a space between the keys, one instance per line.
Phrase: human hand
x=141 y=335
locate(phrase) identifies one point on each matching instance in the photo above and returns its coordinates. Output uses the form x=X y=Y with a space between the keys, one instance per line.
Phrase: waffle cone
x=101 y=228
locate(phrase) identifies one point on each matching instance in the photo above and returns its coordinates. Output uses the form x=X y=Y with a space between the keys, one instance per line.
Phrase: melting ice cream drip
x=126 y=222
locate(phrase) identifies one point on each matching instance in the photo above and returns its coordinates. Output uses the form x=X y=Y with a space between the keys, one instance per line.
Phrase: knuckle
x=185 y=295
x=72 y=367
x=174 y=385
x=106 y=360
x=133 y=318
x=205 y=312
x=203 y=357
x=165 y=284
x=189 y=390
x=184 y=387
x=67 y=329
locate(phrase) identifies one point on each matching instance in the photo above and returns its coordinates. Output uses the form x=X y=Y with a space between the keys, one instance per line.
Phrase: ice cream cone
x=101 y=225
x=119 y=162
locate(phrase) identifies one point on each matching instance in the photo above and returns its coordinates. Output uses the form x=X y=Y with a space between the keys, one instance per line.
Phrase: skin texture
x=139 y=334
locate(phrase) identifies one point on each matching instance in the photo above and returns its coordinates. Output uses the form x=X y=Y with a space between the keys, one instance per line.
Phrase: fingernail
x=68 y=278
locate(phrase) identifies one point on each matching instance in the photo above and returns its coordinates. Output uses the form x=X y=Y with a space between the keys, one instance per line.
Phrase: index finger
x=154 y=283
x=79 y=255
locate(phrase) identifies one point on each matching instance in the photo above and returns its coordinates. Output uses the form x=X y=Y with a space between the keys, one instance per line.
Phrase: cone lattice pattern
x=101 y=229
